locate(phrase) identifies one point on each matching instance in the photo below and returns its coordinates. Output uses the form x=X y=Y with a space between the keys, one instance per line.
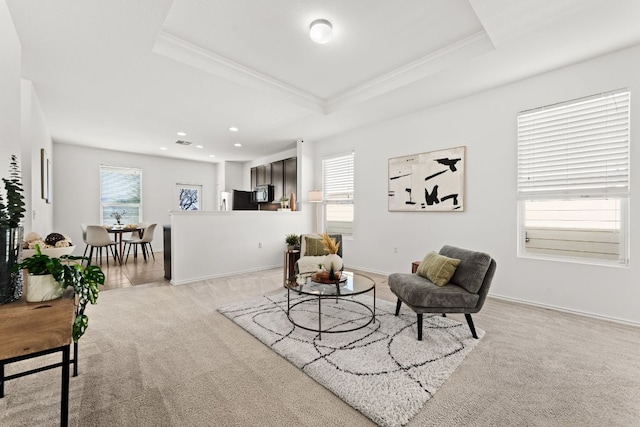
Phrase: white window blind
x=573 y=179
x=577 y=148
x=120 y=190
x=338 y=192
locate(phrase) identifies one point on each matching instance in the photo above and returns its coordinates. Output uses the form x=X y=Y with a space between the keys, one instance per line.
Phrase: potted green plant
x=283 y=202
x=65 y=272
x=11 y=233
x=292 y=240
x=118 y=214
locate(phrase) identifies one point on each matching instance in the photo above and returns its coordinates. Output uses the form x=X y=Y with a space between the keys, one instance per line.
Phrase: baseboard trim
x=565 y=310
x=217 y=276
x=534 y=304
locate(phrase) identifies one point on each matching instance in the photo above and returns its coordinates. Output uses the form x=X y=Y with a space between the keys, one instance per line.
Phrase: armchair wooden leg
x=419 y=326
x=470 y=322
x=398 y=304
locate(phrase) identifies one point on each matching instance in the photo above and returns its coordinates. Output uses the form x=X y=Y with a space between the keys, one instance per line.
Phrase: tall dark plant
x=12 y=209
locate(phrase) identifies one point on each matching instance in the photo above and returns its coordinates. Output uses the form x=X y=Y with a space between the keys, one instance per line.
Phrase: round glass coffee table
x=350 y=284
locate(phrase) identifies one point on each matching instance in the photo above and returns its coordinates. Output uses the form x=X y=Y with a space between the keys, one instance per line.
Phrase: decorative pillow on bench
x=437 y=268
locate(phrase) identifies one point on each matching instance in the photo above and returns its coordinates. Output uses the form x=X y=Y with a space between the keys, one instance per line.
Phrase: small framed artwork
x=425 y=182
x=45 y=176
x=189 y=197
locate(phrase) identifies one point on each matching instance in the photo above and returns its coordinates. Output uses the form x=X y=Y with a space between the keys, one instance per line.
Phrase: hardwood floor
x=133 y=273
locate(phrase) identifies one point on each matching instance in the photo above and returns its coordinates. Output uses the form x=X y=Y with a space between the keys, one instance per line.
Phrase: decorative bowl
x=52 y=252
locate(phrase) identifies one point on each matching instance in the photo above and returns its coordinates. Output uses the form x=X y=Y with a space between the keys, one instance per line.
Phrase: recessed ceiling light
x=163 y=148
x=321 y=31
x=233 y=129
x=212 y=155
x=199 y=146
x=237 y=145
x=181 y=134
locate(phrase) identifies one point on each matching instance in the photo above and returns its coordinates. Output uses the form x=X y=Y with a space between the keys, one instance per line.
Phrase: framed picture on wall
x=189 y=197
x=45 y=176
x=432 y=181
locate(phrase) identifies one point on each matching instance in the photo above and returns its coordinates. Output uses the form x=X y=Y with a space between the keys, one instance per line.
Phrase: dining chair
x=135 y=235
x=98 y=237
x=83 y=226
x=146 y=239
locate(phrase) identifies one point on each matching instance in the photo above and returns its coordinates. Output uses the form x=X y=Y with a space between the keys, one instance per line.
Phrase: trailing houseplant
x=67 y=272
x=11 y=213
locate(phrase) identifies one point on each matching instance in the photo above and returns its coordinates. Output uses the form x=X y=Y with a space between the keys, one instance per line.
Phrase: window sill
x=572 y=260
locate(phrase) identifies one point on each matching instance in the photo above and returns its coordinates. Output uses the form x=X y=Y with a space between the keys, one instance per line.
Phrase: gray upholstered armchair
x=465 y=292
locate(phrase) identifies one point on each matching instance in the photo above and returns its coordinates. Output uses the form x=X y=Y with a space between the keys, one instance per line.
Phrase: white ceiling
x=127 y=75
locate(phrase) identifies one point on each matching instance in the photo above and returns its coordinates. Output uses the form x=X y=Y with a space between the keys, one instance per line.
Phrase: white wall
x=10 y=58
x=486 y=124
x=234 y=176
x=205 y=245
x=35 y=136
x=76 y=188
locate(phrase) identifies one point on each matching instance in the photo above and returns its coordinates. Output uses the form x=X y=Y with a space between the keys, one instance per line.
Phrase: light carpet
x=381 y=370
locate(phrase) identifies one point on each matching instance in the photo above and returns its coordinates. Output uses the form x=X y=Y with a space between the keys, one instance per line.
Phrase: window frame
x=330 y=194
x=611 y=182
x=103 y=205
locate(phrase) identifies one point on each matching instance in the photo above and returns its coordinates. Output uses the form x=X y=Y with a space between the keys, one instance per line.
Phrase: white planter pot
x=333 y=259
x=43 y=288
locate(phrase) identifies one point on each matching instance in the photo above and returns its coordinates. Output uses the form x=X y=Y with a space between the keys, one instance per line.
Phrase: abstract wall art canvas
x=428 y=182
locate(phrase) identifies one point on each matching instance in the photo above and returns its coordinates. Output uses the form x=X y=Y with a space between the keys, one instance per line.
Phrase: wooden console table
x=34 y=329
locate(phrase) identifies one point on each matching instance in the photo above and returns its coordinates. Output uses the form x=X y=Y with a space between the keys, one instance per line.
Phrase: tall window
x=573 y=179
x=120 y=191
x=338 y=178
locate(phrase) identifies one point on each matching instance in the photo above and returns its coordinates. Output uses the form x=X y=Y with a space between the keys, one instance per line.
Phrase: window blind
x=338 y=178
x=120 y=190
x=575 y=148
x=120 y=185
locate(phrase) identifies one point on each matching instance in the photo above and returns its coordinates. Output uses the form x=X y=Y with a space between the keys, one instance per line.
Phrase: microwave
x=263 y=194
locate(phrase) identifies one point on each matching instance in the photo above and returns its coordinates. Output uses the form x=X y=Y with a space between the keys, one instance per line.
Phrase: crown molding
x=182 y=51
x=188 y=53
x=462 y=50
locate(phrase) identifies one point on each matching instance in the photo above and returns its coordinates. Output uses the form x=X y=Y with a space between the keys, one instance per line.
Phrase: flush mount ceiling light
x=237 y=145
x=181 y=134
x=321 y=31
x=233 y=129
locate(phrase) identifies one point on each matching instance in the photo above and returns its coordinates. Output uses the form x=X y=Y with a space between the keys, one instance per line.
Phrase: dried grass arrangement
x=329 y=244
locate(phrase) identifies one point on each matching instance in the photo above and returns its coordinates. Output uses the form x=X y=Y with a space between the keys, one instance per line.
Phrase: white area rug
x=381 y=370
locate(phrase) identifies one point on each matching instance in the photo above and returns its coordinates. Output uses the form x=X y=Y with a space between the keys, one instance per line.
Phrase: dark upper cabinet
x=254 y=177
x=277 y=179
x=263 y=174
x=291 y=177
x=283 y=175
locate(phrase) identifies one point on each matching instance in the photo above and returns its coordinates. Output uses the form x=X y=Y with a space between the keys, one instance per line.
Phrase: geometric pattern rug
x=381 y=370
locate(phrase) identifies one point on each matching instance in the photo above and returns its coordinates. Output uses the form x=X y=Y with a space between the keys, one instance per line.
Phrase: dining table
x=118 y=232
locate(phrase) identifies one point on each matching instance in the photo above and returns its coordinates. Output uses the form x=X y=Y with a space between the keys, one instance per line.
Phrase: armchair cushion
x=472 y=270
x=421 y=293
x=309 y=264
x=438 y=268
x=313 y=246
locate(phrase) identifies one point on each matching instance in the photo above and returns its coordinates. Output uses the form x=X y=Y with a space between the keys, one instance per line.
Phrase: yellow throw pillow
x=438 y=268
x=313 y=247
